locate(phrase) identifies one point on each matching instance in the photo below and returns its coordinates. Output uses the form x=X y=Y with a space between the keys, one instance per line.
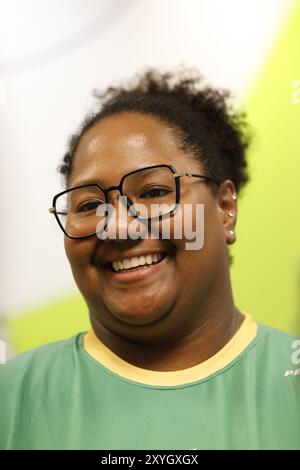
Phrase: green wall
x=266 y=269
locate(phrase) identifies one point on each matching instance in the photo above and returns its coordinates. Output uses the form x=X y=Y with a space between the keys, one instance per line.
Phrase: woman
x=169 y=362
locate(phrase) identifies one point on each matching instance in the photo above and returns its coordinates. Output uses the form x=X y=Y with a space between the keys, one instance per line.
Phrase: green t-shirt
x=73 y=394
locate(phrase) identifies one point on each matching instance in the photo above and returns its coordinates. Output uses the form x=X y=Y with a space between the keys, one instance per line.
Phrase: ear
x=227 y=207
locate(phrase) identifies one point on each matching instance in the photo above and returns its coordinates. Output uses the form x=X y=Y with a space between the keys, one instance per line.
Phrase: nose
x=120 y=224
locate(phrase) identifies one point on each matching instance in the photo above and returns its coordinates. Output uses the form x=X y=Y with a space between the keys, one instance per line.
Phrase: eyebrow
x=84 y=182
x=87 y=181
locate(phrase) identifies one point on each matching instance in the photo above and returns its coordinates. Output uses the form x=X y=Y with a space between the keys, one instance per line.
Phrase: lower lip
x=137 y=274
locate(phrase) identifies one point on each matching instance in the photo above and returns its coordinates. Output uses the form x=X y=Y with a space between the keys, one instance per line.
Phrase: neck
x=210 y=333
x=188 y=352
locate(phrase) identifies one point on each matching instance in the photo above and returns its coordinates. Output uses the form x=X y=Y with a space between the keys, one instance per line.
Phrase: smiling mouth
x=136 y=263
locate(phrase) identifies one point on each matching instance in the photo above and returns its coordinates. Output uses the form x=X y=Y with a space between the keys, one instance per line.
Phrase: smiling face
x=169 y=297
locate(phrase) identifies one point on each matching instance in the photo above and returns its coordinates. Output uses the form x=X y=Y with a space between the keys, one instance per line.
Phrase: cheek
x=80 y=255
x=193 y=225
x=79 y=252
x=213 y=233
x=202 y=242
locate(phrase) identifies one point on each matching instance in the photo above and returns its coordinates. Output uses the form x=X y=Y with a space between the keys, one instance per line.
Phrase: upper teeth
x=128 y=263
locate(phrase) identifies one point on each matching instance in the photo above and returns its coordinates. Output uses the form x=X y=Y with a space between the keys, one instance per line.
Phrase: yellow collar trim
x=238 y=343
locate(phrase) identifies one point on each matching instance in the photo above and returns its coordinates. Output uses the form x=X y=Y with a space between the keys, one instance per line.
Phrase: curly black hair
x=204 y=118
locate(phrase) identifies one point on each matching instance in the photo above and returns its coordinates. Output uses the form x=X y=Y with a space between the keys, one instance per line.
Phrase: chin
x=137 y=317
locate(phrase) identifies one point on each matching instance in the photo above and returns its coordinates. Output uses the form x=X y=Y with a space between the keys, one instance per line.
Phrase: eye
x=89 y=206
x=155 y=192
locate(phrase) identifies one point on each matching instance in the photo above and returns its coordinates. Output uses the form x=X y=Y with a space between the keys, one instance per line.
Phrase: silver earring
x=234 y=197
x=231 y=213
x=231 y=232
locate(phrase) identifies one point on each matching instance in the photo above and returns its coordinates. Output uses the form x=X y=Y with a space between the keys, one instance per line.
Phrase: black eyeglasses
x=149 y=193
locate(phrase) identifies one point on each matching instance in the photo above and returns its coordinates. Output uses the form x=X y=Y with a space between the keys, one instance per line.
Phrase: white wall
x=53 y=53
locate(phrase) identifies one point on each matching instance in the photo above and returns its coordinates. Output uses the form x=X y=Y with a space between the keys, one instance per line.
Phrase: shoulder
x=33 y=384
x=276 y=338
x=279 y=350
x=39 y=361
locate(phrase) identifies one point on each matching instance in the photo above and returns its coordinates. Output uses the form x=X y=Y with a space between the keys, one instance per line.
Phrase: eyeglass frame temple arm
x=196 y=176
x=52 y=210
